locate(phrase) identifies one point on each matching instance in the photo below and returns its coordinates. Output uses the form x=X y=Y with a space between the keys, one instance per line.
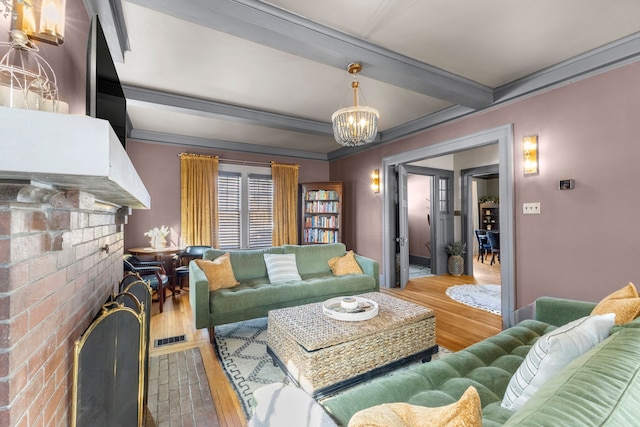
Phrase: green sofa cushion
x=599 y=388
x=314 y=259
x=251 y=261
x=634 y=324
x=259 y=293
x=487 y=365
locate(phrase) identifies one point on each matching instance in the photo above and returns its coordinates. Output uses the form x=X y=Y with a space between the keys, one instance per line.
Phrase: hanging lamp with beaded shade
x=356 y=125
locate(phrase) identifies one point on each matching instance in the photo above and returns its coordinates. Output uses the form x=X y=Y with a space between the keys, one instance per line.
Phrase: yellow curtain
x=199 y=199
x=285 y=203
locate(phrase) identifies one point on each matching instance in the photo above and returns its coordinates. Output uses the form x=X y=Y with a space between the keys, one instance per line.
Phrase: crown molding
x=182 y=140
x=615 y=54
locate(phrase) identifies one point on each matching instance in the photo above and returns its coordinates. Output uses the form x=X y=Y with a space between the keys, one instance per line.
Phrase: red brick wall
x=54 y=278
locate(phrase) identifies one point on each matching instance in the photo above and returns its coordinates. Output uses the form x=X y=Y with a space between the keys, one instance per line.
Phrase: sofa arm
x=199 y=295
x=560 y=311
x=370 y=267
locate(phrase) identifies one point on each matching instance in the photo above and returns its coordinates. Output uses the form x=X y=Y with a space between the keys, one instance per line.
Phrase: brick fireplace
x=61 y=246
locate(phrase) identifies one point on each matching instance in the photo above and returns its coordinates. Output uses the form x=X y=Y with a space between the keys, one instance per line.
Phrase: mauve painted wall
x=418 y=205
x=69 y=59
x=584 y=243
x=159 y=168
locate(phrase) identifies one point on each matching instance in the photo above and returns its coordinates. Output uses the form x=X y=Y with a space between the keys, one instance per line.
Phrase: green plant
x=488 y=199
x=456 y=248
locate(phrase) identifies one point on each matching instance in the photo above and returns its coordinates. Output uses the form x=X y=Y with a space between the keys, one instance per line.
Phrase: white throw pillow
x=551 y=353
x=281 y=267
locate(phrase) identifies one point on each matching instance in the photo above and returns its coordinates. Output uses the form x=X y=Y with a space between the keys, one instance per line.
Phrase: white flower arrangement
x=154 y=233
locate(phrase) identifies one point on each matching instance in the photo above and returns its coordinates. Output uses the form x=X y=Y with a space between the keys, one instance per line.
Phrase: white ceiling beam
x=282 y=30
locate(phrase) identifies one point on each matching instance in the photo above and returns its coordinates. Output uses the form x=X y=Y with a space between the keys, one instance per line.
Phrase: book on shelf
x=322 y=195
x=317 y=235
x=321 y=207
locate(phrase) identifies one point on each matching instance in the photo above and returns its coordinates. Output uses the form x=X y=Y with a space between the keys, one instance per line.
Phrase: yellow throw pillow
x=466 y=412
x=345 y=264
x=625 y=303
x=219 y=272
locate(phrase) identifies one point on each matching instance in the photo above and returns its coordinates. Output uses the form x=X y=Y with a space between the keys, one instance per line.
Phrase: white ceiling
x=266 y=76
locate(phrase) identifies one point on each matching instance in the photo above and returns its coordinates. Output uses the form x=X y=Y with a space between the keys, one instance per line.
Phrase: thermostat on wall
x=566 y=184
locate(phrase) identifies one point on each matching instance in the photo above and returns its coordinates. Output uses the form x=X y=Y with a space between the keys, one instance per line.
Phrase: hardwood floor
x=457 y=326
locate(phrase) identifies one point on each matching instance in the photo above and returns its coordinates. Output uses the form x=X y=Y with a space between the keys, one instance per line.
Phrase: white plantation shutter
x=229 y=210
x=245 y=209
x=260 y=211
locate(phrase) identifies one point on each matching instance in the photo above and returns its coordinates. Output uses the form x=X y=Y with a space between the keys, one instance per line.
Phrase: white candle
x=15 y=98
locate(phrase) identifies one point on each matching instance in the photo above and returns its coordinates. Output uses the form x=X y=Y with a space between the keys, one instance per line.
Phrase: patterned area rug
x=484 y=297
x=242 y=351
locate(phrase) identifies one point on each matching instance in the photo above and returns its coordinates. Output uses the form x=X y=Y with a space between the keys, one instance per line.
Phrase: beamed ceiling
x=265 y=77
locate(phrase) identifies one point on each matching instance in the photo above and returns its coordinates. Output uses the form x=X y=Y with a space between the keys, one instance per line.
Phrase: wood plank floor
x=457 y=326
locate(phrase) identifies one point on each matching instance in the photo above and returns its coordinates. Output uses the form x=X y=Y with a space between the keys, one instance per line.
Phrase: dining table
x=157 y=254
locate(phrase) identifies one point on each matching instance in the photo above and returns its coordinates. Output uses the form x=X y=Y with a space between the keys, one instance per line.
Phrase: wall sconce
x=530 y=148
x=41 y=20
x=375 y=180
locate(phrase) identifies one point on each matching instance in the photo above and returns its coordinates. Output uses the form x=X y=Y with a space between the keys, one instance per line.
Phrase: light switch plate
x=531 y=208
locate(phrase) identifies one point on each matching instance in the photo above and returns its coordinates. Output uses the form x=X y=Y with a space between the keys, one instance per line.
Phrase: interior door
x=403 y=224
x=441 y=219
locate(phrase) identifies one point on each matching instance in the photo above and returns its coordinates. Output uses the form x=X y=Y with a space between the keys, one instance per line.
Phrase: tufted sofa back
x=487 y=365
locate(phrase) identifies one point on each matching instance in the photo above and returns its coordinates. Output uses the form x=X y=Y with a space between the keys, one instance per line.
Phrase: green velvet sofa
x=599 y=388
x=255 y=295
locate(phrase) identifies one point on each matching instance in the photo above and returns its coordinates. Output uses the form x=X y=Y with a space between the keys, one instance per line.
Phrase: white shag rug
x=484 y=297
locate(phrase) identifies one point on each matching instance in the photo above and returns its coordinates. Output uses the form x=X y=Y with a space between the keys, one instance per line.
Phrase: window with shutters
x=245 y=207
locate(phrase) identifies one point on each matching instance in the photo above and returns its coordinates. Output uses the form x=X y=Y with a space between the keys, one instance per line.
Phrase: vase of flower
x=158 y=242
x=158 y=237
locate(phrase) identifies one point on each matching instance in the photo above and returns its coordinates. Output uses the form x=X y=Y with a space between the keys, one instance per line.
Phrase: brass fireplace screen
x=111 y=361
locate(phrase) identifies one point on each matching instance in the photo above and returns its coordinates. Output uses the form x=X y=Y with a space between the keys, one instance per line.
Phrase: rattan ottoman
x=323 y=355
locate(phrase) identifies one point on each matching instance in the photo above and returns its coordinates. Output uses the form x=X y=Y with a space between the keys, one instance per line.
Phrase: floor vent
x=171 y=340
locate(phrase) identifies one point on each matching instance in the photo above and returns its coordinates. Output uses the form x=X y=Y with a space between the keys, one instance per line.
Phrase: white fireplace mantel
x=69 y=152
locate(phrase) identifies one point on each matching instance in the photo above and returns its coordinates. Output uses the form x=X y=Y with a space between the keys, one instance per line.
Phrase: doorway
x=478 y=184
x=503 y=137
x=437 y=220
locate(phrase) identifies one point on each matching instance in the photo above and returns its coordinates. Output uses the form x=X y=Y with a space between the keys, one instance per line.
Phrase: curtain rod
x=241 y=162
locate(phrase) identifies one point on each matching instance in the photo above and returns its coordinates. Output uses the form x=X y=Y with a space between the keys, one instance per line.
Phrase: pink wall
x=583 y=243
x=69 y=59
x=159 y=167
x=419 y=190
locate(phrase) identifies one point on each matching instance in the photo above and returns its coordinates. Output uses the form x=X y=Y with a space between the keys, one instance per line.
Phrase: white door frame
x=503 y=136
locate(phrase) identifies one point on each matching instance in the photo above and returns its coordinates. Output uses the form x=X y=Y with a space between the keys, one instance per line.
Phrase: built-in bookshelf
x=321 y=213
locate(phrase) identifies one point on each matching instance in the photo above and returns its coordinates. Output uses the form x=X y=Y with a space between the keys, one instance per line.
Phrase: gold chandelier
x=357 y=125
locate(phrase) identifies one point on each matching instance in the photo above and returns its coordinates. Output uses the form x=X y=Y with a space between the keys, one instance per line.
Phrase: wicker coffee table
x=323 y=355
